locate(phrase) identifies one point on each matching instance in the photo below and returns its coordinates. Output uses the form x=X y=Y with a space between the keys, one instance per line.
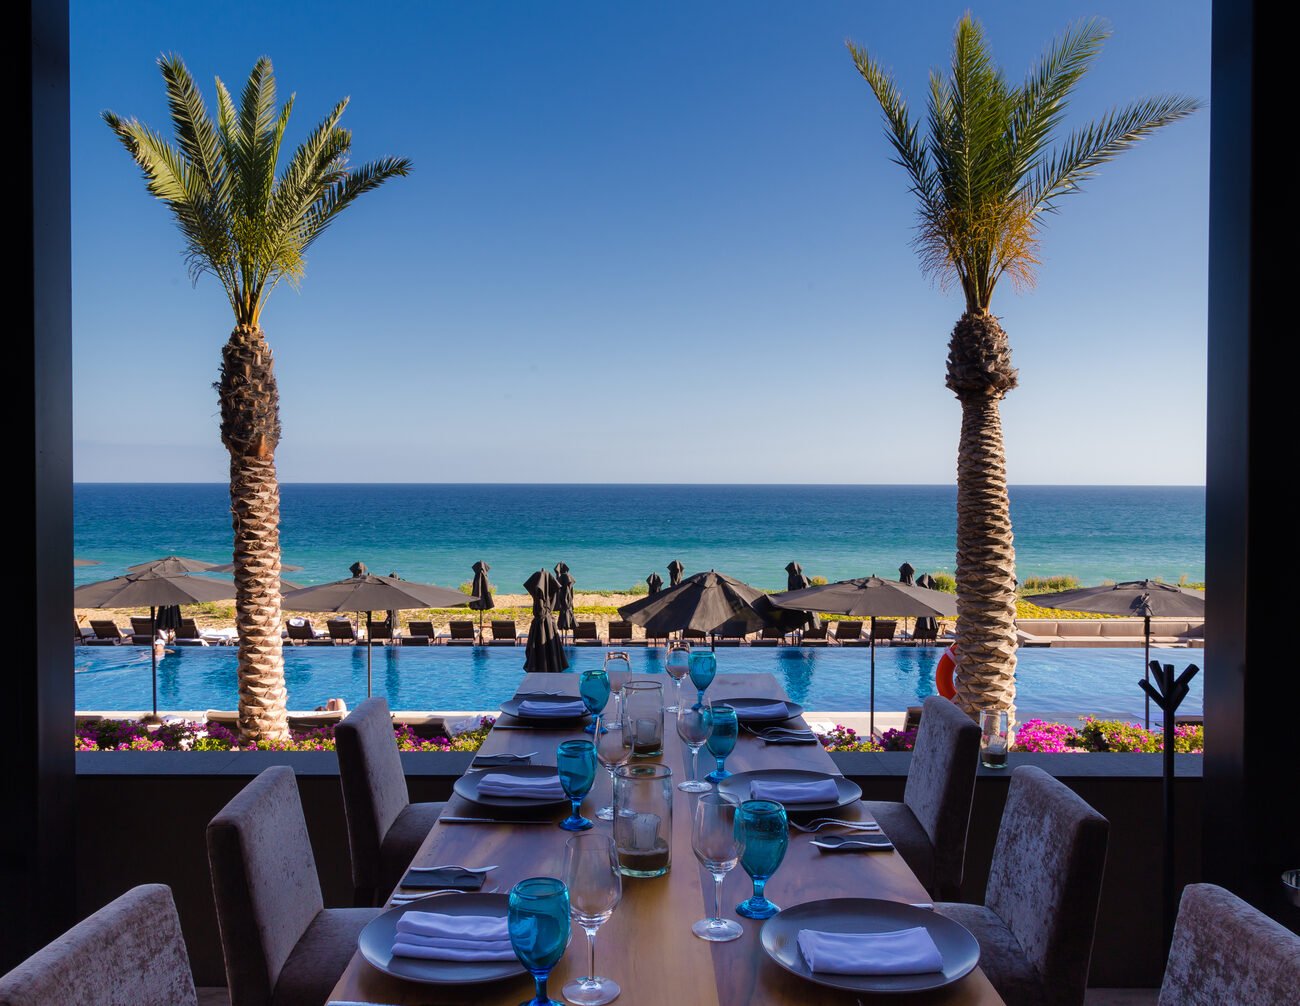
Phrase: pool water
x=1049 y=681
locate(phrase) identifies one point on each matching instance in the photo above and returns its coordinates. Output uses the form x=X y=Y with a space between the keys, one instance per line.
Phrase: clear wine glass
x=617 y=662
x=595 y=888
x=693 y=726
x=613 y=748
x=713 y=837
x=678 y=665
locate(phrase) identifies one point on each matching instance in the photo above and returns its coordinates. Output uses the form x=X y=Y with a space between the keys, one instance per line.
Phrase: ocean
x=613 y=536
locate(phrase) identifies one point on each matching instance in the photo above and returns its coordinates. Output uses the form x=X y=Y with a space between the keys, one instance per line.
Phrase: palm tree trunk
x=250 y=429
x=980 y=372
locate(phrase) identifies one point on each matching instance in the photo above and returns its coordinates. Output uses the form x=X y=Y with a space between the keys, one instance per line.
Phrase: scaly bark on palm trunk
x=250 y=429
x=980 y=373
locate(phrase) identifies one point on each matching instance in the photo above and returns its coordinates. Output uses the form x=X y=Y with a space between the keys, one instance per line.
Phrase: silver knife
x=444 y=819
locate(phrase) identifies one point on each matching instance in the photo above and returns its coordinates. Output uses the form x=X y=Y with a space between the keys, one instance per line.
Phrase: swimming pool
x=1101 y=681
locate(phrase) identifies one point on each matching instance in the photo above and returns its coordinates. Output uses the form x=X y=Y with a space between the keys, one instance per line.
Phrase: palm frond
x=343 y=192
x=194 y=130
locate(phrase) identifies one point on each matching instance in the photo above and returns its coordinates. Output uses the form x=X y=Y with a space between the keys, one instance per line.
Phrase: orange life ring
x=943 y=673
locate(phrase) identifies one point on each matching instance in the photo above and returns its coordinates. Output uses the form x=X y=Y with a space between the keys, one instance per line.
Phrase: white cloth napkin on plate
x=812 y=791
x=766 y=711
x=529 y=787
x=432 y=936
x=552 y=710
x=905 y=952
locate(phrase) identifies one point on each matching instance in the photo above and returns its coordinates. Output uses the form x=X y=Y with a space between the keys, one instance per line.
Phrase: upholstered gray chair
x=929 y=827
x=282 y=947
x=384 y=828
x=1225 y=953
x=129 y=953
x=1036 y=925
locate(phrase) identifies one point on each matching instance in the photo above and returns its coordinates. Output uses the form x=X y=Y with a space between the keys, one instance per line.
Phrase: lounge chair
x=504 y=633
x=850 y=634
x=925 y=635
x=772 y=635
x=81 y=633
x=620 y=632
x=105 y=631
x=912 y=719
x=188 y=631
x=341 y=630
x=816 y=637
x=585 y=634
x=417 y=630
x=142 y=630
x=378 y=632
x=413 y=641
x=696 y=637
x=317 y=718
x=730 y=634
x=300 y=630
x=882 y=631
x=461 y=634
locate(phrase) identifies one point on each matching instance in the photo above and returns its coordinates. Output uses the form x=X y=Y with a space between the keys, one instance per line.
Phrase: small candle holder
x=643 y=819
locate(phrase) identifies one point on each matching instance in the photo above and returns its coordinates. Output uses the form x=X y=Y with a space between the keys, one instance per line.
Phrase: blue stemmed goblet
x=538 y=918
x=704 y=667
x=594 y=688
x=723 y=730
x=763 y=835
x=576 y=762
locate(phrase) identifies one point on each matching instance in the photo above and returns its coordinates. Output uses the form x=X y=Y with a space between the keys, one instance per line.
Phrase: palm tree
x=249 y=229
x=985 y=176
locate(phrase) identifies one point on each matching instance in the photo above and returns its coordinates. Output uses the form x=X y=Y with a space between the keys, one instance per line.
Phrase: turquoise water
x=612 y=536
x=1101 y=681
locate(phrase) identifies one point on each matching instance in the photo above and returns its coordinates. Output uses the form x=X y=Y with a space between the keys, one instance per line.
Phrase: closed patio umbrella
x=925 y=621
x=1147 y=598
x=869 y=597
x=702 y=602
x=564 y=620
x=544 y=651
x=368 y=592
x=907 y=574
x=168 y=617
x=482 y=593
x=152 y=590
x=675 y=570
x=795 y=580
x=654 y=582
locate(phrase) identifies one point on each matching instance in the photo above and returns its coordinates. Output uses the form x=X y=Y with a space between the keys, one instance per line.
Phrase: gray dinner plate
x=511 y=706
x=376 y=943
x=744 y=706
x=737 y=786
x=959 y=949
x=467 y=787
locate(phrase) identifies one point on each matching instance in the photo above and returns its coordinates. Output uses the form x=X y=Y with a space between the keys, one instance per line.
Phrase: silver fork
x=817 y=824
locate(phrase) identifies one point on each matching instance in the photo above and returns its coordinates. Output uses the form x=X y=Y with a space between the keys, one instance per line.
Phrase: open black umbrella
x=564 y=620
x=654 y=582
x=1148 y=598
x=368 y=592
x=869 y=597
x=229 y=567
x=544 y=651
x=675 y=570
x=482 y=593
x=795 y=580
x=172 y=564
x=152 y=590
x=702 y=602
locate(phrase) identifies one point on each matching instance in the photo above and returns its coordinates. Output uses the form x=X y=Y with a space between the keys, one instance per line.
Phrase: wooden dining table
x=647 y=946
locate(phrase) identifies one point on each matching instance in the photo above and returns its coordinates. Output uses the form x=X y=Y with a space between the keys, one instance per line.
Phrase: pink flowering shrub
x=898 y=740
x=131 y=735
x=844 y=738
x=1105 y=735
x=1042 y=737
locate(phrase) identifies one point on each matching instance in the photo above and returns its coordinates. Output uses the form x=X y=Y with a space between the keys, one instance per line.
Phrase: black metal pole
x=153 y=657
x=1170 y=909
x=871 y=729
x=1146 y=665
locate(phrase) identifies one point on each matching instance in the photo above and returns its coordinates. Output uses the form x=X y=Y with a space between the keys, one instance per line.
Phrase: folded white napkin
x=531 y=787
x=905 y=952
x=766 y=711
x=813 y=791
x=551 y=710
x=431 y=936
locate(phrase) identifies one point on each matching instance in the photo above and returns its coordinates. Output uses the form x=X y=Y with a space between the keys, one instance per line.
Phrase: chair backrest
x=189 y=629
x=772 y=632
x=130 y=951
x=462 y=630
x=504 y=628
x=104 y=629
x=925 y=632
x=419 y=628
x=142 y=625
x=884 y=629
x=848 y=630
x=379 y=630
x=374 y=785
x=620 y=631
x=1045 y=880
x=693 y=634
x=1225 y=951
x=341 y=628
x=585 y=630
x=300 y=628
x=731 y=630
x=816 y=632
x=264 y=882
x=941 y=786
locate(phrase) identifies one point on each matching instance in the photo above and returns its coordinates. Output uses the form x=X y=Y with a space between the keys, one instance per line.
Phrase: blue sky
x=652 y=242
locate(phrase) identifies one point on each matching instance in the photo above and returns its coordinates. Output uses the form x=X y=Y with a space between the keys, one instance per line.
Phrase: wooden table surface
x=647 y=946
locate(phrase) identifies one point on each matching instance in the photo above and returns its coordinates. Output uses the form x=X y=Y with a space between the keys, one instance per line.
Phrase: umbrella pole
x=153 y=659
x=1146 y=665
x=872 y=714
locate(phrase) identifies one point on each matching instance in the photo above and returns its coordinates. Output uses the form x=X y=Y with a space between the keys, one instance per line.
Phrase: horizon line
x=669 y=485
